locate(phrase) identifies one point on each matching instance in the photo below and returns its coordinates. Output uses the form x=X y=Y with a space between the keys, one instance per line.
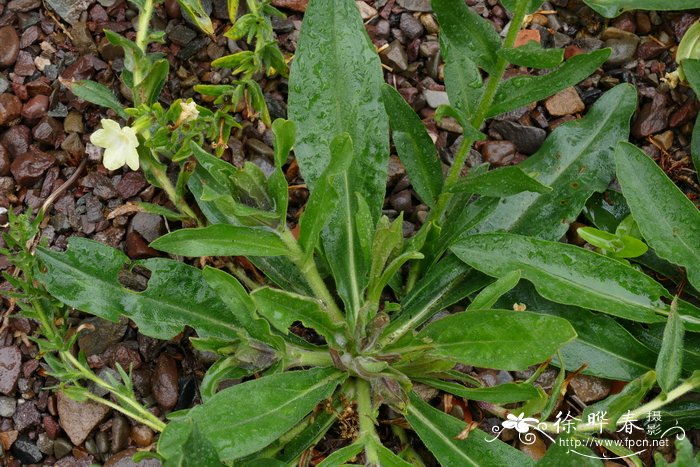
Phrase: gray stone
x=415 y=5
x=150 y=226
x=181 y=35
x=7 y=406
x=26 y=416
x=61 y=448
x=435 y=98
x=45 y=444
x=69 y=10
x=395 y=56
x=103 y=335
x=527 y=139
x=10 y=366
x=623 y=44
x=411 y=26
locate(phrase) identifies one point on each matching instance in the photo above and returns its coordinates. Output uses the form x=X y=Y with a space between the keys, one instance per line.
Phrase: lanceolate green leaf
x=414 y=146
x=668 y=220
x=334 y=87
x=464 y=32
x=438 y=431
x=245 y=418
x=612 y=8
x=506 y=181
x=670 y=361
x=521 y=90
x=195 y=10
x=691 y=69
x=86 y=277
x=463 y=84
x=188 y=447
x=96 y=93
x=507 y=340
x=282 y=309
x=575 y=161
x=221 y=240
x=609 y=350
x=569 y=274
x=533 y=55
x=501 y=394
x=628 y=399
x=490 y=294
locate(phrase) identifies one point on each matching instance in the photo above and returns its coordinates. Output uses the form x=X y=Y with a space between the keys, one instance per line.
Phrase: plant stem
x=366 y=417
x=137 y=411
x=310 y=272
x=169 y=189
x=477 y=120
x=299 y=356
x=142 y=35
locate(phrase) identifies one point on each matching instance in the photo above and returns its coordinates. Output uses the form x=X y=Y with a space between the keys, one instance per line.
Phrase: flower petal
x=113 y=158
x=522 y=427
x=132 y=158
x=509 y=424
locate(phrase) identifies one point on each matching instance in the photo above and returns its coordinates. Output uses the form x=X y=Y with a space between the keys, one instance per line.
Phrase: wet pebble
x=48 y=131
x=165 y=386
x=623 y=45
x=149 y=226
x=10 y=46
x=35 y=108
x=26 y=451
x=131 y=185
x=141 y=435
x=527 y=139
x=61 y=448
x=10 y=108
x=78 y=419
x=51 y=428
x=123 y=459
x=652 y=118
x=411 y=26
x=401 y=201
x=566 y=102
x=498 y=153
x=100 y=335
x=137 y=247
x=24 y=66
x=7 y=406
x=120 y=433
x=16 y=140
x=10 y=366
x=589 y=388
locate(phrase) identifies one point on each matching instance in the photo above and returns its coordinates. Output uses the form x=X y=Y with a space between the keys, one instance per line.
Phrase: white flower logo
x=119 y=143
x=519 y=423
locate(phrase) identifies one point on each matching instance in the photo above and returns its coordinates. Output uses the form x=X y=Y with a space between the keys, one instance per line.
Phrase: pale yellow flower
x=119 y=144
x=189 y=111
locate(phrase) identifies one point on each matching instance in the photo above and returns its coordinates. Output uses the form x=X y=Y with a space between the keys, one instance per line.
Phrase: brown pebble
x=31 y=166
x=10 y=46
x=4 y=161
x=498 y=153
x=16 y=140
x=566 y=102
x=10 y=108
x=141 y=435
x=165 y=388
x=35 y=108
x=137 y=248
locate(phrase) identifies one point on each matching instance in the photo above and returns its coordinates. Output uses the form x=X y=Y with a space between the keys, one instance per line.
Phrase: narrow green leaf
x=221 y=240
x=245 y=418
x=97 y=94
x=652 y=337
x=490 y=294
x=282 y=309
x=501 y=394
x=86 y=277
x=612 y=8
x=505 y=181
x=506 y=340
x=533 y=55
x=149 y=89
x=575 y=161
x=531 y=7
x=668 y=220
x=464 y=32
x=463 y=84
x=195 y=10
x=388 y=459
x=628 y=399
x=335 y=87
x=438 y=431
x=323 y=200
x=522 y=90
x=568 y=274
x=670 y=361
x=618 y=246
x=414 y=146
x=284 y=132
x=609 y=350
x=342 y=455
